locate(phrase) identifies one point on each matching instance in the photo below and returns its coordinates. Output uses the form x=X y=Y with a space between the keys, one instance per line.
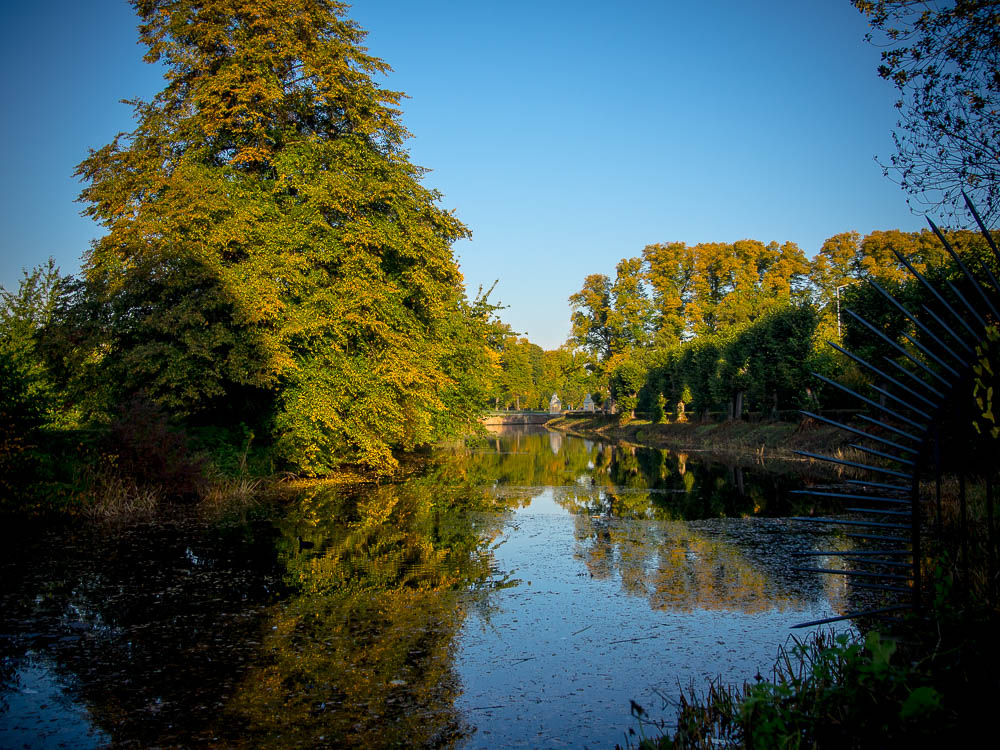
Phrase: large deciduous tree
x=269 y=246
x=708 y=287
x=943 y=56
x=671 y=276
x=612 y=318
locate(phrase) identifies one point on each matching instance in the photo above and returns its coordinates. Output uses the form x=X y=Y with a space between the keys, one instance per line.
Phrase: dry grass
x=234 y=491
x=965 y=551
x=113 y=497
x=739 y=442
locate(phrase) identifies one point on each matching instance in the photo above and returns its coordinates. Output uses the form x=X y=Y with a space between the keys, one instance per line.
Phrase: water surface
x=519 y=593
x=637 y=572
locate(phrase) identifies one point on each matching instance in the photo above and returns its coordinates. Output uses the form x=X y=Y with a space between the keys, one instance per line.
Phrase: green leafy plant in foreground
x=830 y=690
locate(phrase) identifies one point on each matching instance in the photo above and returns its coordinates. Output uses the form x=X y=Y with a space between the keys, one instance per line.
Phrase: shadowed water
x=518 y=593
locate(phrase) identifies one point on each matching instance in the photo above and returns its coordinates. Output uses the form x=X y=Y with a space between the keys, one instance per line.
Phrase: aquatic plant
x=829 y=690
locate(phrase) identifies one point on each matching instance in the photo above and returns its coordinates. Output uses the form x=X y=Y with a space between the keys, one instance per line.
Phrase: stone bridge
x=517 y=417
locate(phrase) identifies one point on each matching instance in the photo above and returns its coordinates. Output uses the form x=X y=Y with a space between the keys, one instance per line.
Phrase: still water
x=517 y=593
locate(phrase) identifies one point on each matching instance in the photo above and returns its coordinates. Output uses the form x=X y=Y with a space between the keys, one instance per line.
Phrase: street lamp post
x=838 y=310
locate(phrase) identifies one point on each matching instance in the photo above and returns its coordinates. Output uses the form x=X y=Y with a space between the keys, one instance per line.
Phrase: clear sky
x=566 y=135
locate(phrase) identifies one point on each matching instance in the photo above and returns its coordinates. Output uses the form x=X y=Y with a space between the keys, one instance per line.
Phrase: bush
x=142 y=447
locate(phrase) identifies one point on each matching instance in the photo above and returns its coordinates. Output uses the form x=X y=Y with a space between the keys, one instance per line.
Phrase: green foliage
x=29 y=394
x=764 y=366
x=943 y=58
x=528 y=376
x=740 y=327
x=830 y=691
x=987 y=383
x=627 y=378
x=470 y=362
x=927 y=255
x=517 y=386
x=708 y=287
x=611 y=319
x=271 y=256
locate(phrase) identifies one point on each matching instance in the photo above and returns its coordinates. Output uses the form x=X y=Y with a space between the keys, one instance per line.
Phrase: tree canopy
x=611 y=318
x=943 y=56
x=735 y=326
x=269 y=246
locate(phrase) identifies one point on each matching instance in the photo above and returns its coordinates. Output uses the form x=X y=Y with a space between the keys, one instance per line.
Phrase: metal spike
x=889 y=427
x=882 y=454
x=853 y=615
x=880 y=485
x=856 y=431
x=914 y=320
x=946 y=327
x=882 y=374
x=880 y=511
x=881 y=587
x=845 y=496
x=935 y=292
x=993 y=279
x=984 y=265
x=840 y=553
x=913 y=376
x=906 y=404
x=896 y=346
x=878 y=538
x=880 y=561
x=930 y=354
x=989 y=239
x=961 y=298
x=847 y=522
x=858 y=573
x=854 y=464
x=868 y=401
x=965 y=269
x=982 y=226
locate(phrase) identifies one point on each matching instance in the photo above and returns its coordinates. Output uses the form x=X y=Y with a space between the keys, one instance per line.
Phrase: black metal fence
x=915 y=435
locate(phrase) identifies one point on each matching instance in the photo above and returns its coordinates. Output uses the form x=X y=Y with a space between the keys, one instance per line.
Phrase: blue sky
x=566 y=135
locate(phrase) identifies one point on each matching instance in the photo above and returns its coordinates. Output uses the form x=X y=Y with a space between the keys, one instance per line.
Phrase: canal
x=521 y=591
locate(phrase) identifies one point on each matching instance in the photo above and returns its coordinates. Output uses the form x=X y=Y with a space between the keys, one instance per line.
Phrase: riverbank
x=733 y=442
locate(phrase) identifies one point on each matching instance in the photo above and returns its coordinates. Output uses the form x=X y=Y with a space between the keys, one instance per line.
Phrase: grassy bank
x=138 y=469
x=732 y=441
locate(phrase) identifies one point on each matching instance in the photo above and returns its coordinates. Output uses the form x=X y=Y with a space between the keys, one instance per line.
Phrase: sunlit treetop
x=268 y=238
x=242 y=86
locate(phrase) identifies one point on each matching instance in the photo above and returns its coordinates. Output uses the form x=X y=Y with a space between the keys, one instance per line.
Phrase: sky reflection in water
x=620 y=598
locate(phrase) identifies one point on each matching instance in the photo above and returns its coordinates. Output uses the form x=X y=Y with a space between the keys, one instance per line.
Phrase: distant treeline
x=740 y=327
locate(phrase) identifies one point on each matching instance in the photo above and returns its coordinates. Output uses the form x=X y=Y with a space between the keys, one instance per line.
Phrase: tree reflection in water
x=362 y=652
x=334 y=620
x=327 y=622
x=644 y=515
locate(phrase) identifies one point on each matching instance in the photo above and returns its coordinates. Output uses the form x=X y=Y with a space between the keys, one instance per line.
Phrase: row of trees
x=678 y=313
x=529 y=375
x=735 y=327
